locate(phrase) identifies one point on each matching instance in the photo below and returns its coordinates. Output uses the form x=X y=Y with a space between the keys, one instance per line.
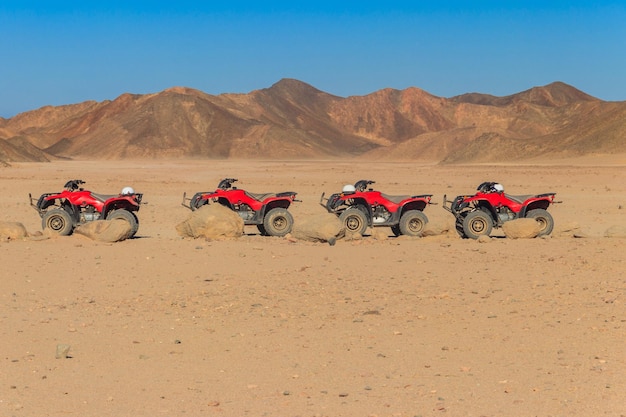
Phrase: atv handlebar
x=361 y=185
x=72 y=185
x=226 y=183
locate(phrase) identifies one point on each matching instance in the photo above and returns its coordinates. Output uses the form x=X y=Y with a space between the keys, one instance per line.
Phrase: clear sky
x=62 y=52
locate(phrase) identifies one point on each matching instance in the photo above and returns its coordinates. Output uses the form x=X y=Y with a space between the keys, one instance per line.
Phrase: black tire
x=458 y=225
x=277 y=222
x=59 y=221
x=413 y=223
x=354 y=220
x=476 y=224
x=396 y=230
x=544 y=219
x=261 y=229
x=129 y=216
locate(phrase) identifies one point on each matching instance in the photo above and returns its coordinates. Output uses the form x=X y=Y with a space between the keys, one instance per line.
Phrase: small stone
x=62 y=351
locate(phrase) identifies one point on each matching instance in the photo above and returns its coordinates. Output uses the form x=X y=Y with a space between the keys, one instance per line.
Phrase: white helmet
x=498 y=187
x=127 y=191
x=348 y=189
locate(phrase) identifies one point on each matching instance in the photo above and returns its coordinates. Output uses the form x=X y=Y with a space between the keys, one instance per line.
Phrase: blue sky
x=64 y=52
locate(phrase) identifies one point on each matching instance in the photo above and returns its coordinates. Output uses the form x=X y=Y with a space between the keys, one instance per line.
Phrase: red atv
x=62 y=212
x=359 y=207
x=490 y=207
x=268 y=211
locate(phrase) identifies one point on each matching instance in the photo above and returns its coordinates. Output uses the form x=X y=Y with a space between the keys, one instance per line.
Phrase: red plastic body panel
x=501 y=199
x=238 y=197
x=85 y=198
x=376 y=198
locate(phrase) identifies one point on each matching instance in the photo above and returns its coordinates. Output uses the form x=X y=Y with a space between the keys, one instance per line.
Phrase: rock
x=12 y=230
x=571 y=229
x=483 y=239
x=212 y=221
x=525 y=228
x=114 y=230
x=435 y=229
x=318 y=228
x=616 y=231
x=380 y=233
x=62 y=351
x=354 y=236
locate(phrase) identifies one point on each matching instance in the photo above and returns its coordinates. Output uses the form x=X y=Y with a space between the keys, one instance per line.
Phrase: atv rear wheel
x=476 y=224
x=413 y=223
x=129 y=217
x=544 y=219
x=278 y=222
x=354 y=220
x=396 y=230
x=59 y=221
x=261 y=229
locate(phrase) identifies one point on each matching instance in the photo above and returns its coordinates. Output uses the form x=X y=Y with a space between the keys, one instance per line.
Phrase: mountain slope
x=292 y=119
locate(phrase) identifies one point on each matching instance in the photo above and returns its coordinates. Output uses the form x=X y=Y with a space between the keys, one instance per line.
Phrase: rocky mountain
x=292 y=119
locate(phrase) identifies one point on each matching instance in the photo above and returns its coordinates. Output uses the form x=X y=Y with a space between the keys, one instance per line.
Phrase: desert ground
x=161 y=325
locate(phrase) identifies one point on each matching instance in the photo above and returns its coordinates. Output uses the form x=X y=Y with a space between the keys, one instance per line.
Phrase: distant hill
x=292 y=120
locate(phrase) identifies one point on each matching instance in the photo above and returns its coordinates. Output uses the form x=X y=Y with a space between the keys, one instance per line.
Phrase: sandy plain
x=261 y=326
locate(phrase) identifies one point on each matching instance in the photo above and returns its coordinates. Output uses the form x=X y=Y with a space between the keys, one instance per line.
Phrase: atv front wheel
x=59 y=221
x=458 y=224
x=413 y=223
x=476 y=224
x=544 y=219
x=129 y=217
x=278 y=222
x=196 y=202
x=354 y=220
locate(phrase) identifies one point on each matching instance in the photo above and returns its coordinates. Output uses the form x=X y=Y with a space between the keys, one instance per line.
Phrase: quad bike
x=490 y=207
x=62 y=212
x=359 y=207
x=268 y=211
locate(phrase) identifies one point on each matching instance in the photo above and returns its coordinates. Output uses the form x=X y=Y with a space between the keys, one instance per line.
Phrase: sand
x=263 y=326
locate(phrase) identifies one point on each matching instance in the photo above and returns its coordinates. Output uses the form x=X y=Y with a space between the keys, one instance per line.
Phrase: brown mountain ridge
x=292 y=119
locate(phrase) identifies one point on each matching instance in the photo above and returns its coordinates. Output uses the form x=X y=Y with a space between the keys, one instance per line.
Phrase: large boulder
x=324 y=227
x=212 y=221
x=12 y=230
x=114 y=230
x=524 y=228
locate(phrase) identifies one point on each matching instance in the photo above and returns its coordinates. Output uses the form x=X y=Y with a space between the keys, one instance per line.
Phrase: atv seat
x=518 y=198
x=260 y=196
x=103 y=197
x=395 y=198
